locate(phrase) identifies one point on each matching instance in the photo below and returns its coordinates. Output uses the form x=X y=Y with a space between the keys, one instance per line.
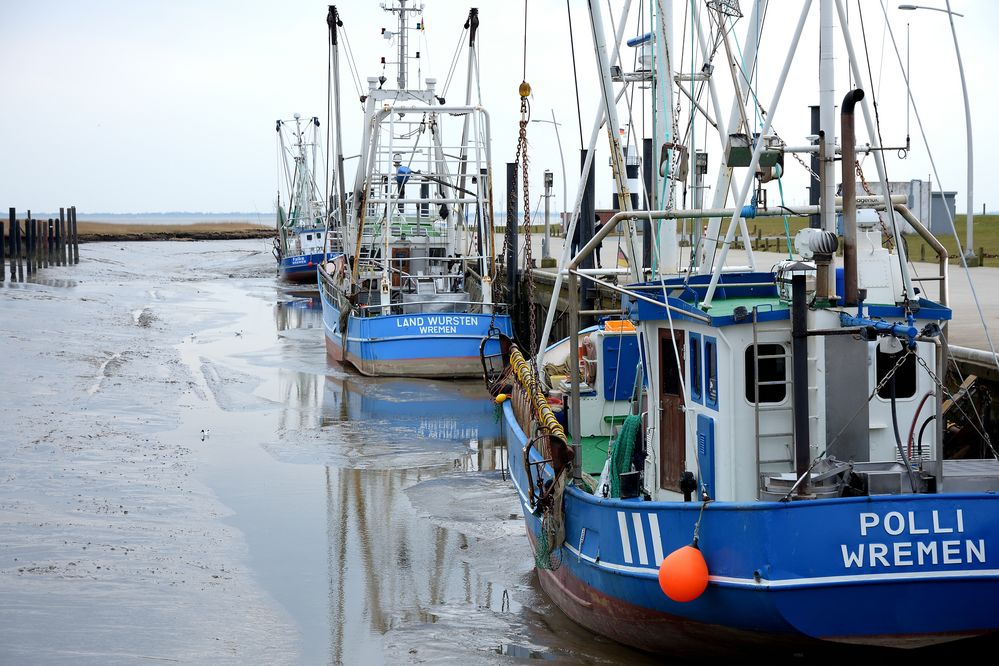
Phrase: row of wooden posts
x=31 y=244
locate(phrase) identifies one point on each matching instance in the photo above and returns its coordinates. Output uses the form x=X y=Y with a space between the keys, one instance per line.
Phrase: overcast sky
x=125 y=106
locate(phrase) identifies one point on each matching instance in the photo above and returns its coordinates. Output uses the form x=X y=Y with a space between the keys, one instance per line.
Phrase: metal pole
x=511 y=234
x=545 y=253
x=755 y=160
x=574 y=425
x=814 y=186
x=799 y=361
x=969 y=250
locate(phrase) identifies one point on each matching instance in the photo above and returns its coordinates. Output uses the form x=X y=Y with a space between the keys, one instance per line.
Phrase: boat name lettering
x=436 y=324
x=895 y=523
x=917 y=552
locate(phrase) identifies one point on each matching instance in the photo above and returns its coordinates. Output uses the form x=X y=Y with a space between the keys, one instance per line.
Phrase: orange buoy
x=683 y=575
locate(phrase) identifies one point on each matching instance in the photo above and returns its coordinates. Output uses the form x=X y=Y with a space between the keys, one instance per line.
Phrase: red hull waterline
x=430 y=368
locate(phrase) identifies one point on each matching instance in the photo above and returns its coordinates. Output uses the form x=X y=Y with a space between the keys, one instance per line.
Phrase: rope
x=624 y=448
x=542 y=410
x=552 y=532
x=575 y=77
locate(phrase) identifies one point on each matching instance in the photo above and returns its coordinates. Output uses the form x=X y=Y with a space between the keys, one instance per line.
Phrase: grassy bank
x=986 y=237
x=109 y=231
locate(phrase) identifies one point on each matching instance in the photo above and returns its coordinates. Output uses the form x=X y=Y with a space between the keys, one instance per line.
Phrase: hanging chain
x=885 y=232
x=523 y=164
x=980 y=431
x=829 y=444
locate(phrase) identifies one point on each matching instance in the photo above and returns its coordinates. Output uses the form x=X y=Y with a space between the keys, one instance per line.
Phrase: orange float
x=683 y=575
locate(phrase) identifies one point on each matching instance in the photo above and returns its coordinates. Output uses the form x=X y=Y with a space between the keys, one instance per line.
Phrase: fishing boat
x=412 y=295
x=761 y=495
x=299 y=245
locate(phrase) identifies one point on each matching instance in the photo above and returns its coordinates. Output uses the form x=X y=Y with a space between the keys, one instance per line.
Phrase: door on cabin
x=672 y=440
x=400 y=264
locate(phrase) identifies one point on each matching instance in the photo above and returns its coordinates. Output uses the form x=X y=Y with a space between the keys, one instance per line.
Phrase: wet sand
x=184 y=478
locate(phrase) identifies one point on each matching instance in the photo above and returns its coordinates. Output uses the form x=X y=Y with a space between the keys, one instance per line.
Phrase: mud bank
x=184 y=478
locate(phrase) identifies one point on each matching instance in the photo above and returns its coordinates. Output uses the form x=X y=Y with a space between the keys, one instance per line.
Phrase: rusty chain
x=523 y=163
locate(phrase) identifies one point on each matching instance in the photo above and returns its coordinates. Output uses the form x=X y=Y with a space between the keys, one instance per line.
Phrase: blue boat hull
x=301 y=268
x=898 y=571
x=434 y=345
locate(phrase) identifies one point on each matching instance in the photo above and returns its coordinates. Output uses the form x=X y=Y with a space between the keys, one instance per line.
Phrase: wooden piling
x=10 y=241
x=3 y=270
x=29 y=248
x=50 y=245
x=60 y=226
x=36 y=246
x=55 y=244
x=65 y=241
x=17 y=250
x=76 y=239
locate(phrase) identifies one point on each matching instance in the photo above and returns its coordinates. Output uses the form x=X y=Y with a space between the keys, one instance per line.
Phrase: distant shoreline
x=90 y=232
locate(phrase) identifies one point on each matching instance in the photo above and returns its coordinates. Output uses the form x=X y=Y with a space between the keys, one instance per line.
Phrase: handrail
x=942 y=255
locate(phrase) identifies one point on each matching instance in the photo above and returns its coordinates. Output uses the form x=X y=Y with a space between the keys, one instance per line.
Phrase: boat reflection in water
x=390 y=567
x=387 y=547
x=302 y=310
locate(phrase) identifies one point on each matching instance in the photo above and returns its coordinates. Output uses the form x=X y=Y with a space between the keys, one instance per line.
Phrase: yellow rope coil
x=542 y=409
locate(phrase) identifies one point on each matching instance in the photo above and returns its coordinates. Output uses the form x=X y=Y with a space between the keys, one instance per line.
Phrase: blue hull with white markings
x=893 y=570
x=302 y=268
x=434 y=345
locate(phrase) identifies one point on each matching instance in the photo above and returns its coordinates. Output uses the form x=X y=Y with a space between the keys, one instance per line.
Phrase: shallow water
x=184 y=477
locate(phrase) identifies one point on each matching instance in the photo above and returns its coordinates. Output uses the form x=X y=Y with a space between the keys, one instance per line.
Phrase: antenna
x=402 y=10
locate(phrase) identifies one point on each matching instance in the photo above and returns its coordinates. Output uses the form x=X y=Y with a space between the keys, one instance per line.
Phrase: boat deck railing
x=443 y=306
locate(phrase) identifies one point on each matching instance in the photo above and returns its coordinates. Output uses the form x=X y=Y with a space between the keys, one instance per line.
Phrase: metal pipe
x=599 y=313
x=847 y=133
x=574 y=417
x=672 y=308
x=724 y=182
x=799 y=384
x=827 y=113
x=873 y=134
x=873 y=202
x=942 y=255
x=610 y=109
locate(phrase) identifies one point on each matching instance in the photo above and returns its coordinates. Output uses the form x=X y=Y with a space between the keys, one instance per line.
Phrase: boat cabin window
x=308 y=236
x=905 y=376
x=711 y=372
x=695 y=367
x=772 y=363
